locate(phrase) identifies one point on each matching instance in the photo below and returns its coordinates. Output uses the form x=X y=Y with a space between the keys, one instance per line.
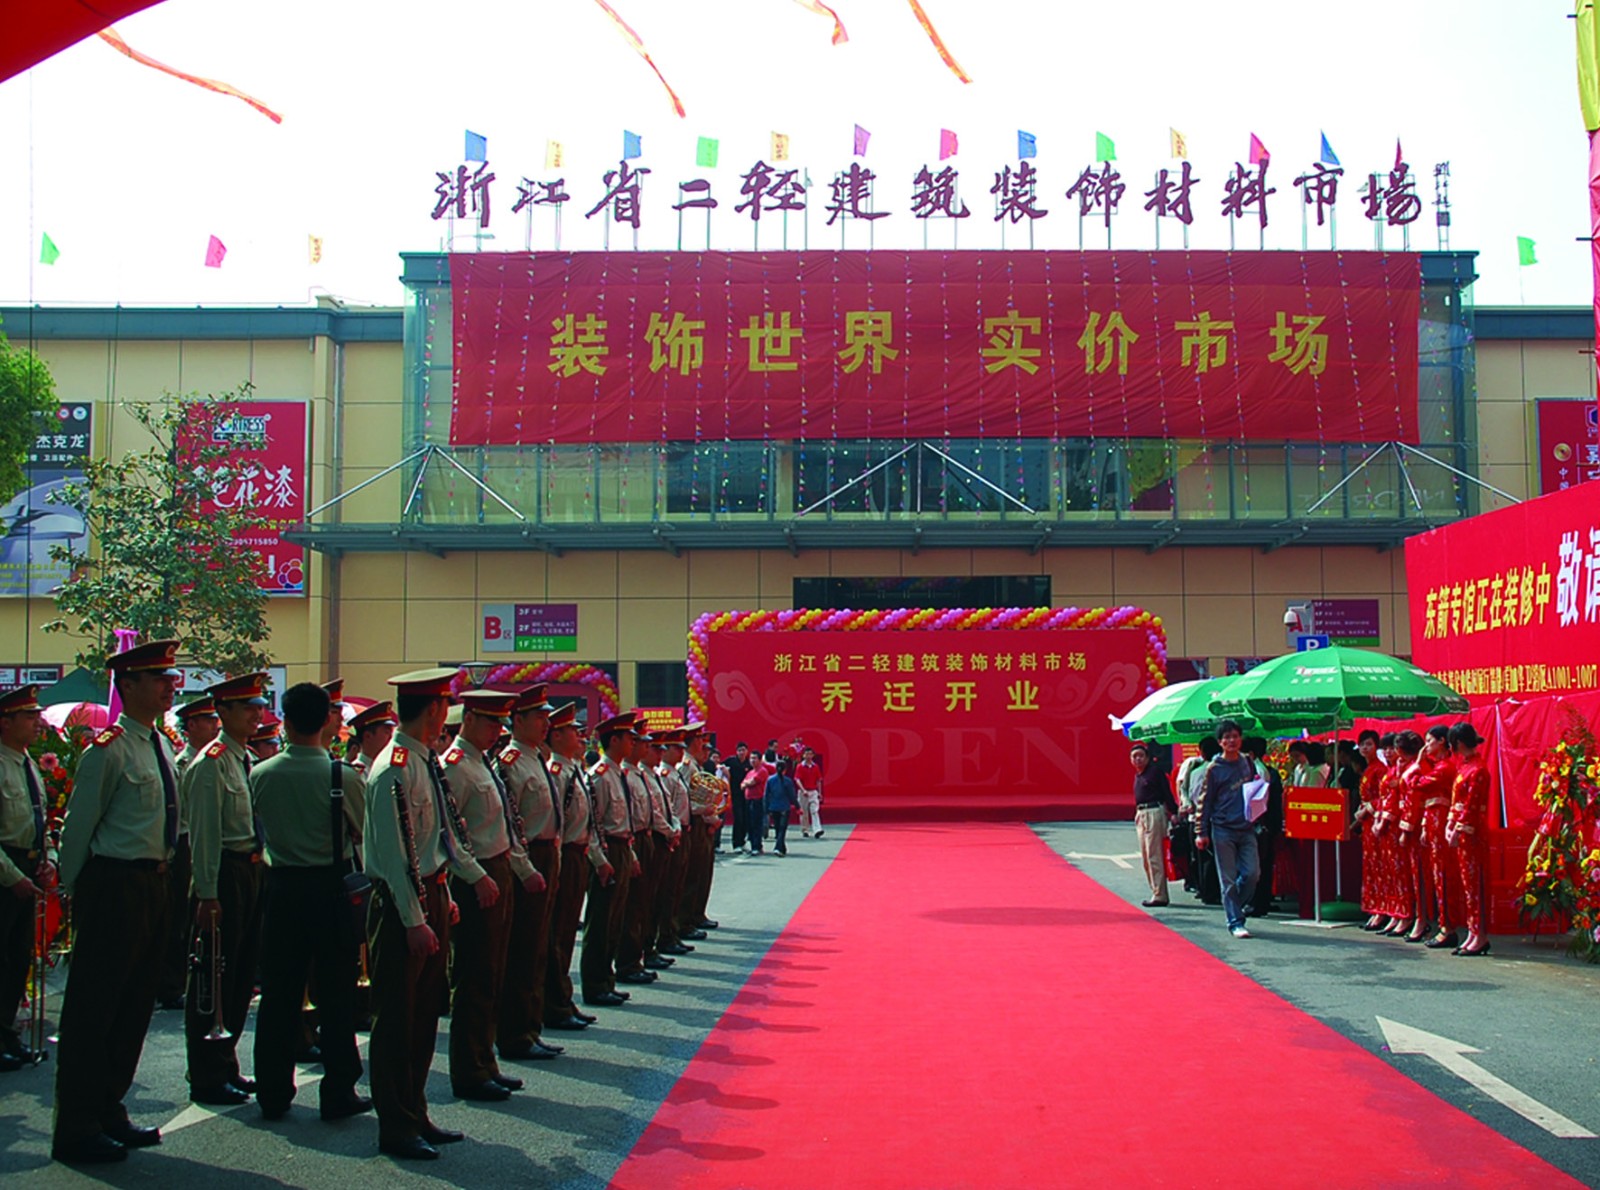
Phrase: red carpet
x=956 y=1006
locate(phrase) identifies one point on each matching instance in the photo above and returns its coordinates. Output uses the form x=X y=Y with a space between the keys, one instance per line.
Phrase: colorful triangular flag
x=1329 y=157
x=215 y=251
x=477 y=147
x=552 y=154
x=1104 y=148
x=780 y=146
x=947 y=144
x=1180 y=147
x=1258 y=151
x=632 y=145
x=1525 y=254
x=1027 y=145
x=862 y=137
x=705 y=153
x=48 y=252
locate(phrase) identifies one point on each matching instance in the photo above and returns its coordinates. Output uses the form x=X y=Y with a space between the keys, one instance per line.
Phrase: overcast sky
x=129 y=171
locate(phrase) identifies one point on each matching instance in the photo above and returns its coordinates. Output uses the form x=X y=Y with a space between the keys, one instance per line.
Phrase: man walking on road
x=1225 y=827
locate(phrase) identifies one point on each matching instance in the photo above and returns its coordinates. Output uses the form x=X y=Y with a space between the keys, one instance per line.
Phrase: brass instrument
x=207 y=962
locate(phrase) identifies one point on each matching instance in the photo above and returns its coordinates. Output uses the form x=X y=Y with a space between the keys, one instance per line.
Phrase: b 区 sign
x=586 y=347
x=1508 y=603
x=919 y=715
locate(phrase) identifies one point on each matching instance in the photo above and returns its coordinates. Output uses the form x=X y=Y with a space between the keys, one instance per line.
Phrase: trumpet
x=207 y=963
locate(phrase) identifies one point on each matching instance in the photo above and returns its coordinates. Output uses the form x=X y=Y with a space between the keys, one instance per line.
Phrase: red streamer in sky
x=938 y=42
x=114 y=40
x=634 y=40
x=823 y=10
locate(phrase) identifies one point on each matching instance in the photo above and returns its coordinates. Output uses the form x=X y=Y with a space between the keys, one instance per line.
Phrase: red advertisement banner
x=1315 y=813
x=1507 y=604
x=930 y=715
x=649 y=346
x=1569 y=443
x=266 y=475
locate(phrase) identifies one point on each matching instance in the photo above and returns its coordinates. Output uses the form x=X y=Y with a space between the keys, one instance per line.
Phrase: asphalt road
x=1528 y=1007
x=570 y=1127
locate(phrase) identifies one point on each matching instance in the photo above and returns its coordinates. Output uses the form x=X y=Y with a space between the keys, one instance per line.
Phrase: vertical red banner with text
x=1008 y=718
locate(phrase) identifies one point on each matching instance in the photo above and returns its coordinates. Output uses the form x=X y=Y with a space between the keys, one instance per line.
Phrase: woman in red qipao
x=1435 y=791
x=1402 y=810
x=1465 y=831
x=1376 y=897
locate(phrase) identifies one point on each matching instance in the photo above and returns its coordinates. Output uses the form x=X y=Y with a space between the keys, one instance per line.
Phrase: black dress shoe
x=1155 y=904
x=695 y=935
x=677 y=948
x=272 y=1111
x=533 y=1051
x=571 y=1025
x=708 y=924
x=133 y=1136
x=509 y=1082
x=658 y=962
x=585 y=1017
x=552 y=1050
x=227 y=1095
x=98 y=1149
x=637 y=977
x=485 y=1092
x=346 y=1106
x=247 y=1085
x=412 y=1148
x=436 y=1135
x=171 y=1004
x=10 y=1063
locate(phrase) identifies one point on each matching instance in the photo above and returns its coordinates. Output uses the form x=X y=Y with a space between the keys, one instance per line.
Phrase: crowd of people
x=448 y=857
x=770 y=787
x=1421 y=803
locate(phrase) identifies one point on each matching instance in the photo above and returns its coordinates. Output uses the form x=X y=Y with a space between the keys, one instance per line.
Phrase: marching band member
x=24 y=861
x=631 y=947
x=608 y=889
x=581 y=854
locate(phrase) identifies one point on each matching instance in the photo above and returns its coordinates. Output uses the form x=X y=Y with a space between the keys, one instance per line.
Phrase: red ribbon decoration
x=637 y=43
x=114 y=40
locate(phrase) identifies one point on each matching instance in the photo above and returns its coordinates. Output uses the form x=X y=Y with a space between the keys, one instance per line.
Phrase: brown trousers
x=671 y=895
x=119 y=918
x=406 y=993
x=697 y=879
x=180 y=925
x=602 y=927
x=641 y=897
x=212 y=1063
x=478 y=974
x=568 y=912
x=522 y=999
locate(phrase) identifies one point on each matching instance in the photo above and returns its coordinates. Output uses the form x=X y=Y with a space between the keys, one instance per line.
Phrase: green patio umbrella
x=1181 y=713
x=1335 y=686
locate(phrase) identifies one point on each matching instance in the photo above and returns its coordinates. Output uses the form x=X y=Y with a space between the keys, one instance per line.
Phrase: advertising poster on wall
x=265 y=475
x=32 y=524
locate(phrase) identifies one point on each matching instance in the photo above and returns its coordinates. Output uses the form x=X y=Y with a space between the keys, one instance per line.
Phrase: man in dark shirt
x=1152 y=805
x=1226 y=829
x=738 y=766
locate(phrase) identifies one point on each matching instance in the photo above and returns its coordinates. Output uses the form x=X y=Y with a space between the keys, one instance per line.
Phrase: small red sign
x=1316 y=813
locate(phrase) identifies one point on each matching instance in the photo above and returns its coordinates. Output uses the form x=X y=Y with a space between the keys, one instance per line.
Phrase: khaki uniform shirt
x=677 y=794
x=612 y=815
x=118 y=806
x=531 y=784
x=402 y=804
x=662 y=820
x=217 y=792
x=292 y=793
x=477 y=795
x=638 y=796
x=17 y=825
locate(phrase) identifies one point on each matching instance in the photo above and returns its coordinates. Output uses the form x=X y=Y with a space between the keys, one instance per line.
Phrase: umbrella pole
x=1316 y=880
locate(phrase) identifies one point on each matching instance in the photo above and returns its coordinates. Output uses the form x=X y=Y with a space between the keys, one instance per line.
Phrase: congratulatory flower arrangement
x=1562 y=880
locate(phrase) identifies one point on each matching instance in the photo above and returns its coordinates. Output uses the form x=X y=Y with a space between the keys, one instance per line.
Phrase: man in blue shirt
x=1225 y=827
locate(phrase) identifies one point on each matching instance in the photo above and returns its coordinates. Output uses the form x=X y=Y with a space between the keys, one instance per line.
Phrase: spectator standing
x=738 y=767
x=1152 y=805
x=808 y=781
x=1268 y=828
x=1202 y=878
x=1226 y=830
x=753 y=787
x=781 y=797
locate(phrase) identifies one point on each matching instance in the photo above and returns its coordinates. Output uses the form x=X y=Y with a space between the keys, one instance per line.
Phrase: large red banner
x=650 y=346
x=919 y=717
x=1507 y=604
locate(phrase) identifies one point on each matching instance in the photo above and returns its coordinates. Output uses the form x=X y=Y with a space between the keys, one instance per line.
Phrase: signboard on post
x=1316 y=813
x=529 y=628
x=1347 y=622
x=1305 y=642
x=1569 y=443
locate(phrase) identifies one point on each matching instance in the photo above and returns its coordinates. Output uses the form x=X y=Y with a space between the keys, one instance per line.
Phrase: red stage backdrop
x=647 y=346
x=1507 y=604
x=922 y=717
